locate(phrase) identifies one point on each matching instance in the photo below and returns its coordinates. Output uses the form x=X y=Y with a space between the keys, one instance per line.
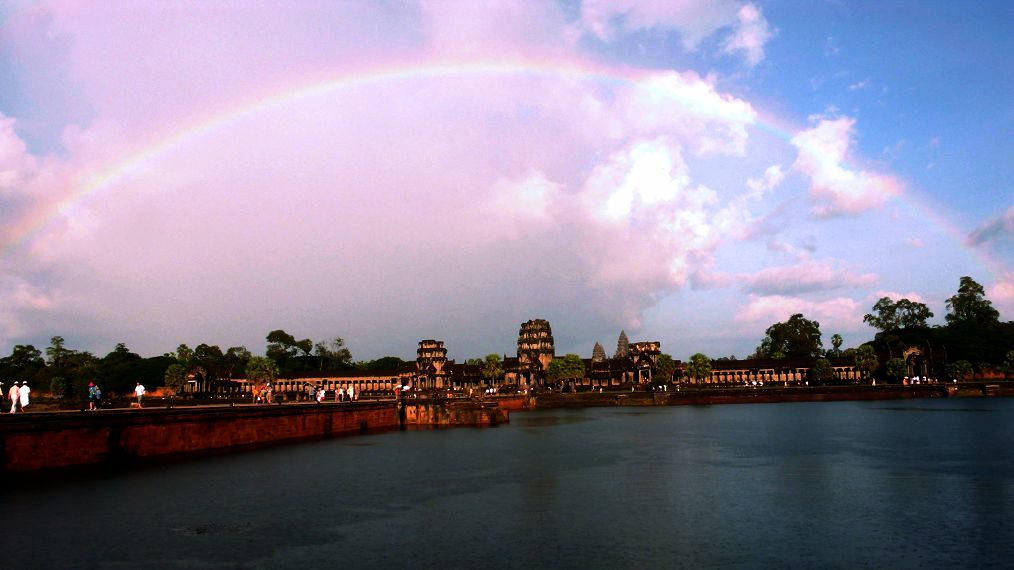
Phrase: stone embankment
x=54 y=441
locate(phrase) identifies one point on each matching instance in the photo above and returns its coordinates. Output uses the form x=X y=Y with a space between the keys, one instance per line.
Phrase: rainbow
x=32 y=226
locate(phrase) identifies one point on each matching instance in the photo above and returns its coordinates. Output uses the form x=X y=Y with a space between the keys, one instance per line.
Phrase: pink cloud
x=805 y=276
x=836 y=187
x=839 y=313
x=894 y=296
x=1001 y=293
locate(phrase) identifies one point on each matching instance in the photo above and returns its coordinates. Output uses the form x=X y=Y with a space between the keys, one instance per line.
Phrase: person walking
x=94 y=394
x=15 y=395
x=320 y=395
x=352 y=393
x=23 y=392
x=139 y=392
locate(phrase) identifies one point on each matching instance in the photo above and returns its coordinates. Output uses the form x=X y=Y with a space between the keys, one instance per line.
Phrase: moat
x=906 y=483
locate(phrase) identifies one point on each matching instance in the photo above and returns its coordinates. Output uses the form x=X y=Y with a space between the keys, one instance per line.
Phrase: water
x=909 y=484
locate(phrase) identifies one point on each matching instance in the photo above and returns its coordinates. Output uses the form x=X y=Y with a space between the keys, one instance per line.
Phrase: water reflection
x=822 y=484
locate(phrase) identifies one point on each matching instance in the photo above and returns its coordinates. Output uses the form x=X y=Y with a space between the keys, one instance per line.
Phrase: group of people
x=263 y=394
x=18 y=395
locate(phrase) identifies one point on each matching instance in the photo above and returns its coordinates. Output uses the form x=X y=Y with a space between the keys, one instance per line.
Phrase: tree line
x=66 y=372
x=973 y=340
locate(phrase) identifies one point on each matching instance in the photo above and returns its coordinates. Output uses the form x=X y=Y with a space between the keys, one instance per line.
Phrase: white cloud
x=695 y=20
x=864 y=84
x=836 y=187
x=771 y=179
x=750 y=35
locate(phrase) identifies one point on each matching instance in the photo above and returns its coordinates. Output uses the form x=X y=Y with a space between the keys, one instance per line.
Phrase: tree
x=836 y=341
x=1008 y=364
x=184 y=354
x=903 y=314
x=282 y=346
x=866 y=360
x=473 y=362
x=665 y=366
x=333 y=354
x=260 y=370
x=598 y=353
x=58 y=386
x=960 y=370
x=699 y=367
x=969 y=307
x=895 y=369
x=56 y=353
x=797 y=337
x=235 y=359
x=822 y=371
x=622 y=345
x=492 y=369
x=391 y=364
x=175 y=378
x=568 y=368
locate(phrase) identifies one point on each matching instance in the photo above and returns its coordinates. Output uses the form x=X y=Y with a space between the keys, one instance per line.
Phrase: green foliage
x=58 y=386
x=665 y=366
x=797 y=337
x=699 y=367
x=836 y=342
x=866 y=360
x=283 y=347
x=385 y=364
x=902 y=314
x=260 y=370
x=1008 y=364
x=333 y=354
x=822 y=371
x=570 y=367
x=473 y=361
x=175 y=378
x=962 y=369
x=969 y=307
x=895 y=369
x=492 y=369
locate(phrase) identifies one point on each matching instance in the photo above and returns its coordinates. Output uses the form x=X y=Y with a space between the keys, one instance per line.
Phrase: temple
x=633 y=366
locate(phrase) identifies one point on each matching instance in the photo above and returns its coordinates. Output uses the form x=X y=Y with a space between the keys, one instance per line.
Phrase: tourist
x=139 y=392
x=320 y=395
x=23 y=393
x=269 y=392
x=93 y=396
x=352 y=393
x=14 y=394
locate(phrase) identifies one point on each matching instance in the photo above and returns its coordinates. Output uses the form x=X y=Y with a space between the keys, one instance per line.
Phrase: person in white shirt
x=139 y=391
x=23 y=393
x=14 y=395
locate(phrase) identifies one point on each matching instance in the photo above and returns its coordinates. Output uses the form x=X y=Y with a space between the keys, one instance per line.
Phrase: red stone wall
x=31 y=443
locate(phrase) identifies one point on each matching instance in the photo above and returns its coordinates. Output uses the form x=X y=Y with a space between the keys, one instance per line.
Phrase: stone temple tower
x=535 y=345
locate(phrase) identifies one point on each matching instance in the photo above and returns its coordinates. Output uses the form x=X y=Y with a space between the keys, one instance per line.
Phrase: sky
x=688 y=171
